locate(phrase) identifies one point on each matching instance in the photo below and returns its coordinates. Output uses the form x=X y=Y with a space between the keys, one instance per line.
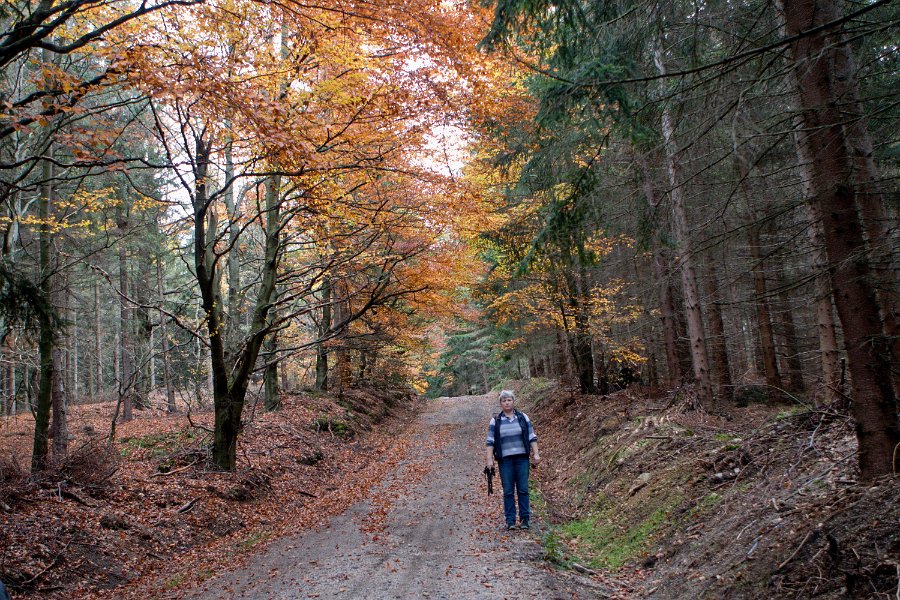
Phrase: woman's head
x=507 y=399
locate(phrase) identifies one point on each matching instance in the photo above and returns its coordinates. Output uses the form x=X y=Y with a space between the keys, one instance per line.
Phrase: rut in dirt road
x=427 y=531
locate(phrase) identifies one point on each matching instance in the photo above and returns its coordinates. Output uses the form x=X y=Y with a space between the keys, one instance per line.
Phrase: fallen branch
x=73 y=496
x=47 y=568
x=797 y=551
x=306 y=494
x=196 y=426
x=173 y=471
x=186 y=507
x=584 y=570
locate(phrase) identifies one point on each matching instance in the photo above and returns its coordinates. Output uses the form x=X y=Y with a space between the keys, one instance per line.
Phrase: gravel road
x=428 y=531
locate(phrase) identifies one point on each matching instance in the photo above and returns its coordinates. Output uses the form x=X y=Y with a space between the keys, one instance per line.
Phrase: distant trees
x=753 y=126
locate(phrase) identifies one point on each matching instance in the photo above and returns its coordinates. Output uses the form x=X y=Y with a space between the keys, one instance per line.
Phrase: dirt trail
x=427 y=531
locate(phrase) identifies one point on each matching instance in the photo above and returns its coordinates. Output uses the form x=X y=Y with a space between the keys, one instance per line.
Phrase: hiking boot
x=509 y=526
x=524 y=525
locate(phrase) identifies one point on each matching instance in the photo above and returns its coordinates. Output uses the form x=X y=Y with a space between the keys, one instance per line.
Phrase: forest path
x=427 y=531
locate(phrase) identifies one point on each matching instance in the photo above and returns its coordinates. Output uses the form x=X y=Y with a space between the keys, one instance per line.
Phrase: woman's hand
x=535 y=459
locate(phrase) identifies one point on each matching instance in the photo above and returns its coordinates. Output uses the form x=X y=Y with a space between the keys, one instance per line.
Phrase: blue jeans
x=514 y=477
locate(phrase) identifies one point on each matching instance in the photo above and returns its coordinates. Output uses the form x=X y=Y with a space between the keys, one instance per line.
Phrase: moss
x=252 y=540
x=534 y=390
x=743 y=488
x=705 y=504
x=789 y=412
x=204 y=574
x=174 y=581
x=607 y=546
x=159 y=444
x=602 y=540
x=554 y=549
x=333 y=425
x=536 y=499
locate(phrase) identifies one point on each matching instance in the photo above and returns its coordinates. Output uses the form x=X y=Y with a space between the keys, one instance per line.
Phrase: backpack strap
x=497 y=454
x=523 y=424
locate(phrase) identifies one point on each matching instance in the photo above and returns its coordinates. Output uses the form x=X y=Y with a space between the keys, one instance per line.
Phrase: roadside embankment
x=763 y=502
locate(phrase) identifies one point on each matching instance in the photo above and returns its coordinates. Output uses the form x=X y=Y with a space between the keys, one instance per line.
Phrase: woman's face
x=507 y=403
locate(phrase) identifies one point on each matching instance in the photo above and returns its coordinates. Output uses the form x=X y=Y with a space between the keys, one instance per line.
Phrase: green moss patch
x=604 y=543
x=157 y=444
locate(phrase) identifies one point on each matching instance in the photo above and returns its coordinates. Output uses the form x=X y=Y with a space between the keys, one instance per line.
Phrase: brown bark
x=763 y=311
x=833 y=202
x=324 y=330
x=126 y=371
x=46 y=335
x=792 y=362
x=164 y=342
x=342 y=369
x=271 y=391
x=829 y=358
x=681 y=229
x=98 y=356
x=59 y=427
x=879 y=227
x=661 y=273
x=9 y=373
x=668 y=318
x=717 y=341
x=581 y=337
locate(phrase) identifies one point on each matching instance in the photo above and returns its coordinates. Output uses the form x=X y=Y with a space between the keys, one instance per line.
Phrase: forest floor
x=109 y=521
x=380 y=495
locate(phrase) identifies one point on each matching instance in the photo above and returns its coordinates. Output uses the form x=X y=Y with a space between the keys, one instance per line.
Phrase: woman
x=510 y=436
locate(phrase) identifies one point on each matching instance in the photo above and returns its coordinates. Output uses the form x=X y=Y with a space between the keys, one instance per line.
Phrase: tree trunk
x=581 y=337
x=235 y=295
x=879 y=227
x=324 y=329
x=46 y=335
x=71 y=346
x=9 y=373
x=98 y=356
x=164 y=341
x=681 y=229
x=717 y=342
x=562 y=362
x=667 y=316
x=272 y=399
x=660 y=265
x=143 y=339
x=341 y=355
x=59 y=429
x=126 y=371
x=789 y=335
x=765 y=330
x=833 y=202
x=229 y=393
x=763 y=313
